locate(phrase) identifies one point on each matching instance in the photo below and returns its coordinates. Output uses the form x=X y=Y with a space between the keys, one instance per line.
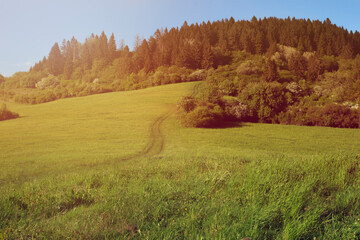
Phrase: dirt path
x=157 y=138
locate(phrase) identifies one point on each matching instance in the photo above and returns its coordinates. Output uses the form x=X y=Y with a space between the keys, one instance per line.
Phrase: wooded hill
x=318 y=59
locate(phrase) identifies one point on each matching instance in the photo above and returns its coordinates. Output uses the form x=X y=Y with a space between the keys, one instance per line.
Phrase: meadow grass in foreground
x=256 y=180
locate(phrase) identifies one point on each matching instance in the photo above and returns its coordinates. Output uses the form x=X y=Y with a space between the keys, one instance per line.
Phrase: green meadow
x=119 y=165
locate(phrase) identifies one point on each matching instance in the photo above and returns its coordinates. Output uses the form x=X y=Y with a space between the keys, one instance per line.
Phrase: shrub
x=330 y=63
x=48 y=82
x=333 y=115
x=248 y=68
x=235 y=110
x=329 y=115
x=203 y=116
x=6 y=114
x=199 y=114
x=187 y=104
x=265 y=100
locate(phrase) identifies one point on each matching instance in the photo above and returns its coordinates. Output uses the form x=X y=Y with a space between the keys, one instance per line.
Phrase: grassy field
x=119 y=165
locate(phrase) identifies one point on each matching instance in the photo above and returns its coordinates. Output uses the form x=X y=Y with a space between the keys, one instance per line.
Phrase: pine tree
x=347 y=52
x=137 y=42
x=68 y=67
x=248 y=44
x=232 y=38
x=297 y=65
x=55 y=60
x=322 y=45
x=271 y=50
x=196 y=55
x=104 y=49
x=207 y=57
x=112 y=48
x=271 y=73
x=75 y=45
x=260 y=42
x=222 y=43
x=86 y=57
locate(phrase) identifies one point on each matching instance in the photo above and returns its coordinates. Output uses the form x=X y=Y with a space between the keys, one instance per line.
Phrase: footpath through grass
x=63 y=174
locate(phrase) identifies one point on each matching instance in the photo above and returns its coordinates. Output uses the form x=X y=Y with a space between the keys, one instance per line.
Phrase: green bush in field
x=204 y=117
x=6 y=114
x=265 y=100
x=200 y=114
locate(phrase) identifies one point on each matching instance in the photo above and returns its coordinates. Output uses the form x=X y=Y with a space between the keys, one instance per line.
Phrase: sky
x=29 y=28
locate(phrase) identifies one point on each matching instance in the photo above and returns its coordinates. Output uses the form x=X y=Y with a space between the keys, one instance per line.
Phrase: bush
x=48 y=82
x=6 y=114
x=187 y=104
x=248 y=68
x=199 y=114
x=265 y=100
x=235 y=110
x=206 y=116
x=330 y=63
x=330 y=115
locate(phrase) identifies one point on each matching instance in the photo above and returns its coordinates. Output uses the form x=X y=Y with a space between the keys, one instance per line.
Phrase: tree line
x=196 y=46
x=291 y=71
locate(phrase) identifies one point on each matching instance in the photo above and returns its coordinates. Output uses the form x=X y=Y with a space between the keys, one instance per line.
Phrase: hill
x=309 y=69
x=119 y=165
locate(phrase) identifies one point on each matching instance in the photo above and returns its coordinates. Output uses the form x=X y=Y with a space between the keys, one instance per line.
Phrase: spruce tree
x=322 y=45
x=260 y=42
x=297 y=65
x=271 y=73
x=112 y=48
x=196 y=55
x=86 y=57
x=208 y=57
x=55 y=60
x=347 y=52
x=104 y=49
x=68 y=67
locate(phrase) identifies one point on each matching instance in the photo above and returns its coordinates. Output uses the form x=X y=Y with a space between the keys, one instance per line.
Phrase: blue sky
x=28 y=29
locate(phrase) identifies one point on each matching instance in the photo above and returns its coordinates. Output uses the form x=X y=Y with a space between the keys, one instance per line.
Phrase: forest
x=270 y=70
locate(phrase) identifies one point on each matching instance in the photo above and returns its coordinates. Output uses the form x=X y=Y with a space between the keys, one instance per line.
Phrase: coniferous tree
x=55 y=60
x=142 y=57
x=260 y=42
x=68 y=67
x=271 y=50
x=271 y=73
x=208 y=57
x=103 y=45
x=75 y=46
x=347 y=52
x=232 y=38
x=86 y=57
x=297 y=65
x=137 y=42
x=248 y=45
x=322 y=45
x=112 y=48
x=223 y=45
x=196 y=55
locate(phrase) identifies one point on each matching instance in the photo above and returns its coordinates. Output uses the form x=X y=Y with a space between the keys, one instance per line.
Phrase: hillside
x=310 y=70
x=119 y=165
